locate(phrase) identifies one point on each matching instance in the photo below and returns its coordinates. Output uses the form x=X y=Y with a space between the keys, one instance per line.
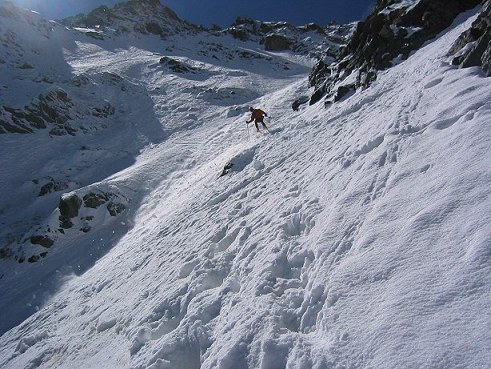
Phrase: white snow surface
x=354 y=236
x=401 y=4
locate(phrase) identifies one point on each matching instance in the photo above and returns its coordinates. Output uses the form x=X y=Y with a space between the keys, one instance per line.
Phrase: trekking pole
x=248 y=132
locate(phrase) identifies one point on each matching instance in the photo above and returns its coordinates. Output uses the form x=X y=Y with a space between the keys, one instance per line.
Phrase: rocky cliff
x=390 y=33
x=473 y=48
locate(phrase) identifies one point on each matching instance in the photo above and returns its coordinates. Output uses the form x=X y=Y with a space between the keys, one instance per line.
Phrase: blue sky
x=224 y=12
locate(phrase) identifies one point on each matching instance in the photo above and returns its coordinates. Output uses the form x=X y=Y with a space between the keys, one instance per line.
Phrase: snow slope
x=354 y=236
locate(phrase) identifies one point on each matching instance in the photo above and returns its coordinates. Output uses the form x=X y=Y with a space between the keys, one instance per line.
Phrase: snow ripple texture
x=350 y=237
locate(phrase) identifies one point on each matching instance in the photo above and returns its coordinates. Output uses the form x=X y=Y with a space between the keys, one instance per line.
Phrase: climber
x=257 y=115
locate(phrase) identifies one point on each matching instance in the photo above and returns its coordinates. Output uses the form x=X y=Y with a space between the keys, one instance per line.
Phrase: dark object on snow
x=343 y=91
x=52 y=186
x=52 y=108
x=42 y=241
x=176 y=65
x=95 y=199
x=300 y=101
x=226 y=168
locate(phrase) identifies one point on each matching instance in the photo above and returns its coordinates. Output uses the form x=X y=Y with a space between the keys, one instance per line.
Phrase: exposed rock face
x=177 y=66
x=473 y=48
x=280 y=36
x=392 y=31
x=299 y=102
x=104 y=111
x=78 y=212
x=51 y=186
x=42 y=241
x=112 y=201
x=226 y=168
x=50 y=108
x=54 y=110
x=69 y=206
x=276 y=43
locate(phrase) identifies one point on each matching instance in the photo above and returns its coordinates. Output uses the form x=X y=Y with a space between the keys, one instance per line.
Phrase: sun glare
x=51 y=9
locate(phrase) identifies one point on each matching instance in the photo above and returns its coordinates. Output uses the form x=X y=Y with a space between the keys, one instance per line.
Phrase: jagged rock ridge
x=310 y=39
x=473 y=48
x=390 y=33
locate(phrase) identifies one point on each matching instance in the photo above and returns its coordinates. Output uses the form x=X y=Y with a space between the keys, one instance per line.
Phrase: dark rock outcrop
x=473 y=47
x=50 y=109
x=76 y=213
x=227 y=168
x=98 y=198
x=277 y=43
x=280 y=36
x=115 y=208
x=177 y=66
x=343 y=91
x=69 y=207
x=94 y=200
x=51 y=186
x=43 y=241
x=104 y=111
x=56 y=111
x=391 y=32
x=299 y=102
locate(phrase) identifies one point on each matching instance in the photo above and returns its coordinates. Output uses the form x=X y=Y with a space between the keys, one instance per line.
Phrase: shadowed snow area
x=353 y=236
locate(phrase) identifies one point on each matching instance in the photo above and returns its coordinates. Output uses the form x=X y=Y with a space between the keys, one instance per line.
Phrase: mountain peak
x=142 y=7
x=141 y=16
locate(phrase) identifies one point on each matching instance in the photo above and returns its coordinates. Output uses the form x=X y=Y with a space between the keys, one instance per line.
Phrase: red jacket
x=257 y=115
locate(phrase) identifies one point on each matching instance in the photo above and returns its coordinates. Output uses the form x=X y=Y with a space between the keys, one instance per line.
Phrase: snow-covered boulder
x=78 y=212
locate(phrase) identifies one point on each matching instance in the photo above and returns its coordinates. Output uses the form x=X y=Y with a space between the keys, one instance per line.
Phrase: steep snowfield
x=353 y=236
